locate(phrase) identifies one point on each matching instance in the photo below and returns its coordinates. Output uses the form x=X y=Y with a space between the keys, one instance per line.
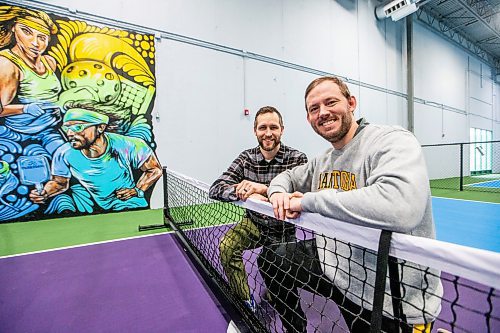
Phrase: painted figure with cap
x=102 y=162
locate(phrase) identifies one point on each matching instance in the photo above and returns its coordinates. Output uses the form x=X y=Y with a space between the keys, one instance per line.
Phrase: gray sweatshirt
x=379 y=180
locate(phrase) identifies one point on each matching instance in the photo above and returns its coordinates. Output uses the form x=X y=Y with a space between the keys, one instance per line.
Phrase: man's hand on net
x=295 y=205
x=286 y=205
x=246 y=188
x=258 y=196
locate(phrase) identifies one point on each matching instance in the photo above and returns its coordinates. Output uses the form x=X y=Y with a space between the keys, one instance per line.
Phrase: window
x=481 y=151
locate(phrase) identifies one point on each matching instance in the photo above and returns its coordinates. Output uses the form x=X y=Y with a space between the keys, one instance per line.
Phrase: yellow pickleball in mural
x=97 y=77
x=113 y=52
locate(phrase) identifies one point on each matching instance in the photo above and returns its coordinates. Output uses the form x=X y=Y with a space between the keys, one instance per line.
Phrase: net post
x=461 y=167
x=166 y=207
x=166 y=212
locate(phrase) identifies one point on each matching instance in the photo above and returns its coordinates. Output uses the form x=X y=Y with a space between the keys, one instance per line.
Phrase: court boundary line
x=485 y=202
x=486 y=181
x=83 y=245
x=107 y=241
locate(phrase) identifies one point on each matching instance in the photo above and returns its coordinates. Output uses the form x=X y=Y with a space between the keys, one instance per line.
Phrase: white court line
x=83 y=245
x=484 y=202
x=107 y=241
x=486 y=181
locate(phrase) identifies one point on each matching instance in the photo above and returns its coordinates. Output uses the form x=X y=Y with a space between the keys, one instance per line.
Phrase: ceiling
x=473 y=24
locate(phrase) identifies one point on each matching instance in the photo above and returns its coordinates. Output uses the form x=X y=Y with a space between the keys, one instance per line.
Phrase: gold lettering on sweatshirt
x=337 y=179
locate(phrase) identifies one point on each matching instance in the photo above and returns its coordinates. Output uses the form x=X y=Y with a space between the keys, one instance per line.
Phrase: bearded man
x=372 y=175
x=248 y=177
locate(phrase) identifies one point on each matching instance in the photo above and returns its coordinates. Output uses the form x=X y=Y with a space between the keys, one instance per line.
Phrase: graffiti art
x=75 y=118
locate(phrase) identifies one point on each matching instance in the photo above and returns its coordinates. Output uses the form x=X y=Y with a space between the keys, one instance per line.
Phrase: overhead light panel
x=396 y=9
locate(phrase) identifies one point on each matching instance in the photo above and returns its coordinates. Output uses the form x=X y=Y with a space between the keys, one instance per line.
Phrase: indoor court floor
x=90 y=274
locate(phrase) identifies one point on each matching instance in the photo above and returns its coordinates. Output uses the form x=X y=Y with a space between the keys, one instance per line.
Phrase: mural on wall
x=75 y=117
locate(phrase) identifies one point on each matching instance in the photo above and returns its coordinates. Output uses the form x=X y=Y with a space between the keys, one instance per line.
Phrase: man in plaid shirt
x=248 y=177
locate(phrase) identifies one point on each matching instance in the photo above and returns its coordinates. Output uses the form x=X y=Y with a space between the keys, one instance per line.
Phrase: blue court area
x=490 y=184
x=469 y=223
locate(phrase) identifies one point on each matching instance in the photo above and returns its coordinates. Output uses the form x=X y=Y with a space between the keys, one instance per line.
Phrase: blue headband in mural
x=87 y=116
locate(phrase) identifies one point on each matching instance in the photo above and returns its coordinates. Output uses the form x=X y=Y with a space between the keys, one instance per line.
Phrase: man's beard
x=268 y=148
x=84 y=143
x=345 y=126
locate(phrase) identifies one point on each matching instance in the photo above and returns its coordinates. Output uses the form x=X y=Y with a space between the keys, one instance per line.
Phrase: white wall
x=201 y=93
x=460 y=91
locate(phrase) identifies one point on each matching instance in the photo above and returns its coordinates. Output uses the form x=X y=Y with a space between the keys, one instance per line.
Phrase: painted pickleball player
x=29 y=87
x=102 y=162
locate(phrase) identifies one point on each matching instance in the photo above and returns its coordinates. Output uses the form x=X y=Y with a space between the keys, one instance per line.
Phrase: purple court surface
x=138 y=285
x=149 y=285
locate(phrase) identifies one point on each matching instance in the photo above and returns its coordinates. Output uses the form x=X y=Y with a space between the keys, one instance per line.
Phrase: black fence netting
x=470 y=166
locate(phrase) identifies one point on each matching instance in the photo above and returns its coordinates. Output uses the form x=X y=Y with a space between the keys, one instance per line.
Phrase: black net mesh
x=286 y=285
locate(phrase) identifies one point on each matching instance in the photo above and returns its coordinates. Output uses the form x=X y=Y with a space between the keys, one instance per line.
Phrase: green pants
x=243 y=236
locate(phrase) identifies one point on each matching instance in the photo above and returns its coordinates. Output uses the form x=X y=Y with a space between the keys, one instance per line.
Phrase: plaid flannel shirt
x=251 y=165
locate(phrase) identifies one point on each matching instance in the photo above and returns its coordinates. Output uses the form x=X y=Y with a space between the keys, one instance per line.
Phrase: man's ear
x=352 y=103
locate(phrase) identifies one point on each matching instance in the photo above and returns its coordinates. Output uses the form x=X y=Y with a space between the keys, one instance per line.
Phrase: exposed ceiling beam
x=480 y=18
x=439 y=24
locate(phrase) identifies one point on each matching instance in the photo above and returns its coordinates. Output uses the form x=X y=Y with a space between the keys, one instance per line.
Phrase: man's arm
x=224 y=187
x=151 y=169
x=290 y=184
x=232 y=185
x=53 y=187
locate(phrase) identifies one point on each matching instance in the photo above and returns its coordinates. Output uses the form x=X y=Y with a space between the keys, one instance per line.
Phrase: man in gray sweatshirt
x=373 y=176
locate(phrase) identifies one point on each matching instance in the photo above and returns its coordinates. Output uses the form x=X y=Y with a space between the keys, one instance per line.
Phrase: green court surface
x=487 y=183
x=42 y=235
x=466 y=195
x=205 y=215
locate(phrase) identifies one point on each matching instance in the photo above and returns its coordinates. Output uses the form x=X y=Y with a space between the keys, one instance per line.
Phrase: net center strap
x=384 y=261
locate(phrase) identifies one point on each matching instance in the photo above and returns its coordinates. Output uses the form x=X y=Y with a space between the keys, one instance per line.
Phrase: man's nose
x=323 y=110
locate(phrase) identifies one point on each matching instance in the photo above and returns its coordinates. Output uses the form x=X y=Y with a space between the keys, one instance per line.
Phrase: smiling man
x=248 y=177
x=373 y=175
x=102 y=162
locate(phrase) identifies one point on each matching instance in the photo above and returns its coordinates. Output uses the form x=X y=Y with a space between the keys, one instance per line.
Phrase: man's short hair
x=264 y=110
x=342 y=86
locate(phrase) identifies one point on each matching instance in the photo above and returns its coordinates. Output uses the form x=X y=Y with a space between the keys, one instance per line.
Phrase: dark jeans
x=296 y=265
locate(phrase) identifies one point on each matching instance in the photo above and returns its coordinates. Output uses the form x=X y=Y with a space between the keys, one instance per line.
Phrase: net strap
x=397 y=304
x=384 y=261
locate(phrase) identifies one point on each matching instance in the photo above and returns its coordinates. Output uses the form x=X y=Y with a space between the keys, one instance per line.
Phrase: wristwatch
x=140 y=193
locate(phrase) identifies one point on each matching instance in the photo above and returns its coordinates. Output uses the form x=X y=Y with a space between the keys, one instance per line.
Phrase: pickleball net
x=457 y=289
